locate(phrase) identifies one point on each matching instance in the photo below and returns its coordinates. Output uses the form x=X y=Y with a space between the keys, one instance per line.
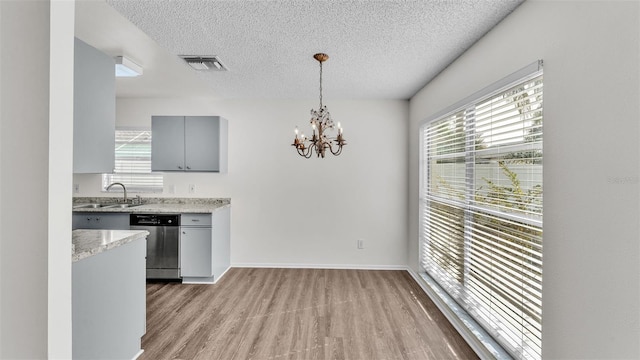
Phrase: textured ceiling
x=377 y=49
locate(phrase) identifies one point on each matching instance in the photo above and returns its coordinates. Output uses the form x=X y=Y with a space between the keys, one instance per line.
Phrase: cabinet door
x=202 y=143
x=82 y=221
x=94 y=110
x=167 y=143
x=105 y=221
x=195 y=252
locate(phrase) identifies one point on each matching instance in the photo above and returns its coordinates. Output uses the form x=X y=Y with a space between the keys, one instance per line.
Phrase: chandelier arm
x=301 y=152
x=306 y=154
x=337 y=152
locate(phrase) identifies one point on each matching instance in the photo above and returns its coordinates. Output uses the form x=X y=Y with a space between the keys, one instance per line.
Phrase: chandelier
x=321 y=122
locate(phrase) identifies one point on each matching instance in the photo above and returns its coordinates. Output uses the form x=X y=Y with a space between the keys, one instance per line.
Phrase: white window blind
x=133 y=162
x=481 y=210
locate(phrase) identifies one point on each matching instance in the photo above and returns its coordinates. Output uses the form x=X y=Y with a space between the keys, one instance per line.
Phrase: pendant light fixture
x=321 y=123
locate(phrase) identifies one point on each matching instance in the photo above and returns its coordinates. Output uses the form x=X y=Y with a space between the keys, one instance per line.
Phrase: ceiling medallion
x=321 y=122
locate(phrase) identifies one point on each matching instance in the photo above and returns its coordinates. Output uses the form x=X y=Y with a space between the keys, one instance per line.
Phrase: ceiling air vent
x=204 y=63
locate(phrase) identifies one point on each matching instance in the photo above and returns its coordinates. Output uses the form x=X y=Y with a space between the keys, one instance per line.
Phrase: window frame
x=468 y=204
x=138 y=186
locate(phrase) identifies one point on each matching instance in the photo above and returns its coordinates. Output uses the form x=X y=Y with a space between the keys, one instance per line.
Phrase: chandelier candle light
x=321 y=122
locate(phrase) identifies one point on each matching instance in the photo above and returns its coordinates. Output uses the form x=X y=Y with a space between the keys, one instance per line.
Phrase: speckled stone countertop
x=87 y=243
x=154 y=205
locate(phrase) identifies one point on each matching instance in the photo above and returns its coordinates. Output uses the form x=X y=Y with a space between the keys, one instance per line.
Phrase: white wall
x=35 y=262
x=60 y=178
x=591 y=168
x=24 y=151
x=287 y=210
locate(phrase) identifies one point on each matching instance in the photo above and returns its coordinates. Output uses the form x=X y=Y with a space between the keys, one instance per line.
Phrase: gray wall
x=591 y=165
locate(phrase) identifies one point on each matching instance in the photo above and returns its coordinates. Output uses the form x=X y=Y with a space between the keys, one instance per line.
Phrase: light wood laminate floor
x=298 y=314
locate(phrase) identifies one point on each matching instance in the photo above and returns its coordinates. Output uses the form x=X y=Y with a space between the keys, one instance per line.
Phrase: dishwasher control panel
x=154 y=220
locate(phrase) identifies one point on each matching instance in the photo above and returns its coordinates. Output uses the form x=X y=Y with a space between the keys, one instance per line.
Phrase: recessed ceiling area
x=377 y=49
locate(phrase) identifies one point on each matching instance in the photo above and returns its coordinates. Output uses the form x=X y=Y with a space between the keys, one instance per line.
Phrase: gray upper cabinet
x=202 y=151
x=189 y=143
x=94 y=110
x=167 y=143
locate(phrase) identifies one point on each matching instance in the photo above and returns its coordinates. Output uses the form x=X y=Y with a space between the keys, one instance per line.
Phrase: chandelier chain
x=320 y=85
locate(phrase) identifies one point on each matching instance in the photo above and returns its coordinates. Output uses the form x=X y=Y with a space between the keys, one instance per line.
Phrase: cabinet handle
x=188 y=167
x=184 y=233
x=196 y=220
x=179 y=167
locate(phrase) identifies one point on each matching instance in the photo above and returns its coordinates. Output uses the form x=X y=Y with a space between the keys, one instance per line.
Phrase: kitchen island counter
x=86 y=243
x=108 y=293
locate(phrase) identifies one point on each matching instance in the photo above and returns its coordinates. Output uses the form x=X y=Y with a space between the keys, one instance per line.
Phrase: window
x=481 y=208
x=133 y=162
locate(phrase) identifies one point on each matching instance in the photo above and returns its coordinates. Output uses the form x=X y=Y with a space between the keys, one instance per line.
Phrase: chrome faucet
x=123 y=189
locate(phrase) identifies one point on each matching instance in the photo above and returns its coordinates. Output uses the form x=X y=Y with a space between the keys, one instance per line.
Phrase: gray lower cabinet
x=204 y=246
x=189 y=143
x=96 y=220
x=94 y=110
x=195 y=246
x=195 y=252
x=221 y=244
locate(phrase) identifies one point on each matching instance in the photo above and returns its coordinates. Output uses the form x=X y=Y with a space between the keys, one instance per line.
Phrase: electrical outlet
x=192 y=188
x=76 y=188
x=360 y=243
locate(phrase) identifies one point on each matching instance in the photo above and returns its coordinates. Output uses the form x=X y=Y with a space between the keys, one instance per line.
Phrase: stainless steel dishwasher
x=163 y=244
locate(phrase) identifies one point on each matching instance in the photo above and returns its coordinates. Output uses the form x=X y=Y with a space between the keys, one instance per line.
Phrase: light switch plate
x=192 y=188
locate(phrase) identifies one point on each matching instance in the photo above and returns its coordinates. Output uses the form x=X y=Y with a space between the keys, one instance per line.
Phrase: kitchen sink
x=104 y=206
x=88 y=206
x=121 y=206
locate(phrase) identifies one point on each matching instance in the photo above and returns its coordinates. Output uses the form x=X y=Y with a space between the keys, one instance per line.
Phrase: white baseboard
x=319 y=266
x=204 y=280
x=138 y=354
x=198 y=280
x=215 y=280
